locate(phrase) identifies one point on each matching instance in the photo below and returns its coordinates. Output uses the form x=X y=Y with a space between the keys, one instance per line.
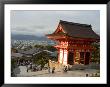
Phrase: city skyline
x=39 y=23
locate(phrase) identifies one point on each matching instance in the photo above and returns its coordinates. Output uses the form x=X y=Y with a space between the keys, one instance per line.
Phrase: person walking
x=53 y=69
x=48 y=69
x=65 y=68
x=27 y=68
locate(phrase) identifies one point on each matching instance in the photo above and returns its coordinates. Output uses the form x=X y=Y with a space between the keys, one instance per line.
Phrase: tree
x=39 y=46
x=41 y=58
x=96 y=52
x=50 y=48
x=13 y=65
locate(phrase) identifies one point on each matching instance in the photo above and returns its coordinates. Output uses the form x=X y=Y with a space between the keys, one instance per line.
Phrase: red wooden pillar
x=67 y=55
x=90 y=56
x=79 y=56
x=58 y=55
x=74 y=51
x=84 y=56
x=63 y=56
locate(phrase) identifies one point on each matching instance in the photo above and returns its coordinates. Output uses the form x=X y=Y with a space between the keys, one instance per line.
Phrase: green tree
x=41 y=58
x=39 y=46
x=96 y=53
x=51 y=48
x=13 y=65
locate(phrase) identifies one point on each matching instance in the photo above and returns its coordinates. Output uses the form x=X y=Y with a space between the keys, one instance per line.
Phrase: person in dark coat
x=27 y=68
x=53 y=69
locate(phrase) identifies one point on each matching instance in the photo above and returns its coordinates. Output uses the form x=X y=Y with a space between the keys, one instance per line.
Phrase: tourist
x=87 y=75
x=49 y=69
x=34 y=68
x=53 y=69
x=30 y=65
x=65 y=68
x=27 y=68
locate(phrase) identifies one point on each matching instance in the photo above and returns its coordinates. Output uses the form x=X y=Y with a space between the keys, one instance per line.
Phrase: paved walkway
x=58 y=73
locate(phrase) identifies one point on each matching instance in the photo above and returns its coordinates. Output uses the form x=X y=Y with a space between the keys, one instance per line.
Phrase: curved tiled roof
x=78 y=30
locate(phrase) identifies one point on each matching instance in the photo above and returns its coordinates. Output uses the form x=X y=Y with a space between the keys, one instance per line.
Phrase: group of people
x=50 y=70
x=33 y=67
x=29 y=65
x=65 y=69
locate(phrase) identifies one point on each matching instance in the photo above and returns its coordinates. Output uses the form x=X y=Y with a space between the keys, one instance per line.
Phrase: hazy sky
x=45 y=22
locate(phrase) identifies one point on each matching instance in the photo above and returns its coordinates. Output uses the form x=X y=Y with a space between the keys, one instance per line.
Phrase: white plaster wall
x=61 y=56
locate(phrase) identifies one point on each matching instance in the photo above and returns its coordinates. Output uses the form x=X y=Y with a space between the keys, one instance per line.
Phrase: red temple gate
x=74 y=42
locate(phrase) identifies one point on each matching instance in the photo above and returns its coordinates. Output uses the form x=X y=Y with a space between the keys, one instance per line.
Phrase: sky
x=39 y=23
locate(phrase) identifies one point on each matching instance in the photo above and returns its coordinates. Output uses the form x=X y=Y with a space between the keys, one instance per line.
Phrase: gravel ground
x=21 y=71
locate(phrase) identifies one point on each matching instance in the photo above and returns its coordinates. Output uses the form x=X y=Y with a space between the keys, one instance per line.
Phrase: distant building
x=16 y=55
x=29 y=53
x=52 y=54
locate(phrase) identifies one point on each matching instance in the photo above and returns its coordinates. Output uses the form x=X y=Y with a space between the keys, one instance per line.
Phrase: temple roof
x=76 y=30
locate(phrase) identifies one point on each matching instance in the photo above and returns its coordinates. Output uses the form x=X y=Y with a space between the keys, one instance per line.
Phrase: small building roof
x=29 y=52
x=75 y=30
x=16 y=55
